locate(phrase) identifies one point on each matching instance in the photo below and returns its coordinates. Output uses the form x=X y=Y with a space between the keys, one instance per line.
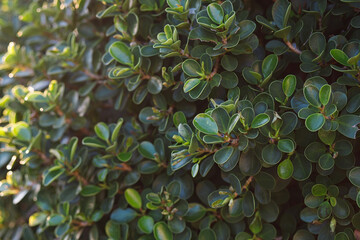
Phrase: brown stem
x=43 y=156
x=123 y=167
x=182 y=52
x=59 y=111
x=92 y=75
x=79 y=177
x=292 y=47
x=247 y=183
x=216 y=67
x=80 y=223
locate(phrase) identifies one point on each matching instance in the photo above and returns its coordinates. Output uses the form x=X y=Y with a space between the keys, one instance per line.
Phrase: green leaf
x=289 y=85
x=55 y=219
x=314 y=201
x=327 y=137
x=215 y=12
x=121 y=53
x=324 y=210
x=37 y=219
x=326 y=161
x=311 y=94
x=221 y=118
x=280 y=13
x=348 y=125
x=90 y=190
x=133 y=198
x=205 y=124
x=154 y=85
x=102 y=131
x=35 y=97
x=52 y=174
x=260 y=120
x=162 y=232
x=146 y=224
x=191 y=68
x=147 y=150
x=61 y=229
x=243 y=236
x=248 y=204
x=341 y=236
x=232 y=122
x=315 y=122
x=256 y=224
x=207 y=234
x=302 y=168
x=355 y=220
x=219 y=198
x=285 y=169
x=93 y=142
x=247 y=27
x=286 y=145
x=195 y=212
x=229 y=62
x=21 y=130
x=113 y=229
x=116 y=131
x=223 y=155
x=269 y=65
x=271 y=154
x=340 y=57
x=179 y=117
x=317 y=43
x=123 y=215
x=353 y=104
x=324 y=94
x=319 y=190
x=354 y=176
x=190 y=84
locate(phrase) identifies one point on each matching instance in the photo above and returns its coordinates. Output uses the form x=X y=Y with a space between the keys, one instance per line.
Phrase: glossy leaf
x=205 y=123
x=121 y=53
x=315 y=122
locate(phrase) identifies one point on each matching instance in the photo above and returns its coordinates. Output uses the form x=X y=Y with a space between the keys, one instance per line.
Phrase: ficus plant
x=180 y=119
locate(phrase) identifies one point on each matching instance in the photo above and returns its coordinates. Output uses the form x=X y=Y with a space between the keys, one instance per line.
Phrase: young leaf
x=269 y=65
x=289 y=85
x=260 y=120
x=133 y=198
x=102 y=131
x=340 y=57
x=285 y=169
x=324 y=94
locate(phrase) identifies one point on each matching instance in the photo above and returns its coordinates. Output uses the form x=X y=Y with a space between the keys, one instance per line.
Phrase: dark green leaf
x=121 y=53
x=205 y=123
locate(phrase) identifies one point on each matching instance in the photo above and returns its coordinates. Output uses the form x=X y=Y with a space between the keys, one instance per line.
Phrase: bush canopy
x=180 y=119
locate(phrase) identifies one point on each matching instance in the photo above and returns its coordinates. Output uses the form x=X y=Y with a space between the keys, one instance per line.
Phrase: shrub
x=180 y=119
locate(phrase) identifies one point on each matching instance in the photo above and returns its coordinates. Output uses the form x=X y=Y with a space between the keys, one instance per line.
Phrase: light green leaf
x=324 y=94
x=133 y=198
x=260 y=120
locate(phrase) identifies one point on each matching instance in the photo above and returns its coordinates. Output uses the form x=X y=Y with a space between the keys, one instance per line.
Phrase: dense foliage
x=180 y=119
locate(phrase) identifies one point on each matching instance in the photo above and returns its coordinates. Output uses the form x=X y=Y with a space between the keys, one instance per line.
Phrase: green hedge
x=180 y=119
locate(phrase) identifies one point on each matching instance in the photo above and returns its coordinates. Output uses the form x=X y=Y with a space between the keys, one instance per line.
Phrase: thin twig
x=293 y=48
x=247 y=183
